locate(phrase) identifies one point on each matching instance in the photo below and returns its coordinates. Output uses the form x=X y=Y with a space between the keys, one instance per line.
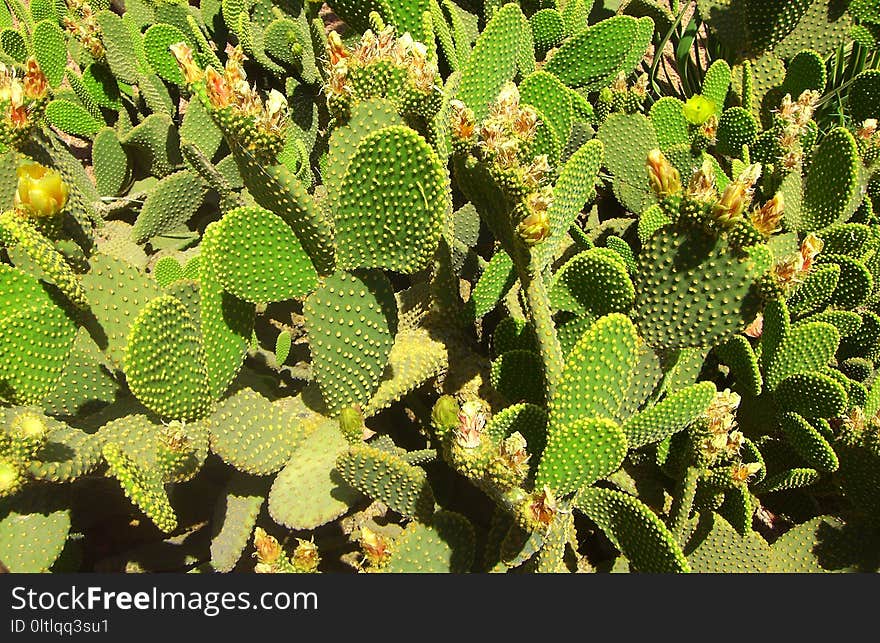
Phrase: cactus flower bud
x=305 y=558
x=702 y=184
x=184 y=55
x=40 y=191
x=34 y=83
x=463 y=120
x=768 y=218
x=471 y=421
x=737 y=196
x=351 y=423
x=377 y=549
x=268 y=551
x=444 y=415
x=698 y=109
x=665 y=179
x=742 y=473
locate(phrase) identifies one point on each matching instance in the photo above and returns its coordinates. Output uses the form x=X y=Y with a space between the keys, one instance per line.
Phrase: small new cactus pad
x=377 y=230
x=351 y=322
x=259 y=259
x=634 y=529
x=495 y=282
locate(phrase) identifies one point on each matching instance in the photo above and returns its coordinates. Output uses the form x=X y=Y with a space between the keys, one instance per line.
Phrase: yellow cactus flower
x=40 y=192
x=698 y=109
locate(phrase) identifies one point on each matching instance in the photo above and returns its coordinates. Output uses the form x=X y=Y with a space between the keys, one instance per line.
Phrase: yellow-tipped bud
x=184 y=55
x=665 y=179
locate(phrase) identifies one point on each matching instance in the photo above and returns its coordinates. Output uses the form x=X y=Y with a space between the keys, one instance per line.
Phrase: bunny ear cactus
x=502 y=246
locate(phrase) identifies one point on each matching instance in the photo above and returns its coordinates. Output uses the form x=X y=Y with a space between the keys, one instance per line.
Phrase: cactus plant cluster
x=439 y=286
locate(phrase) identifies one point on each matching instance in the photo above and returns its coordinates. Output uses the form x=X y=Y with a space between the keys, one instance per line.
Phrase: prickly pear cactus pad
x=439 y=286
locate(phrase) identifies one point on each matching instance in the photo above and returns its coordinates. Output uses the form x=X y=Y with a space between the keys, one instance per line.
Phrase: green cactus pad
x=366 y=117
x=51 y=263
x=667 y=117
x=816 y=289
x=512 y=334
x=251 y=434
x=309 y=492
x=493 y=61
x=737 y=353
x=594 y=282
x=807 y=347
x=808 y=442
x=736 y=128
x=831 y=182
x=351 y=322
x=383 y=476
x=580 y=453
x=67 y=455
x=171 y=203
x=628 y=139
x=164 y=361
x=495 y=282
x=692 y=290
x=50 y=49
x=415 y=358
x=671 y=415
x=33 y=530
x=548 y=30
x=573 y=190
x=227 y=323
x=855 y=284
x=634 y=529
x=116 y=292
x=597 y=372
x=259 y=259
x=445 y=545
x=234 y=519
x=167 y=271
x=109 y=162
x=528 y=420
x=819 y=545
x=72 y=118
x=715 y=547
x=610 y=44
x=99 y=81
x=86 y=384
x=812 y=395
x=550 y=97
x=142 y=487
x=36 y=337
x=157 y=39
x=375 y=230
x=863 y=96
x=789 y=479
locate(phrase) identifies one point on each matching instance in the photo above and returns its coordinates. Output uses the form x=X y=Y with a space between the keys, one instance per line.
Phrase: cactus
x=284 y=283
